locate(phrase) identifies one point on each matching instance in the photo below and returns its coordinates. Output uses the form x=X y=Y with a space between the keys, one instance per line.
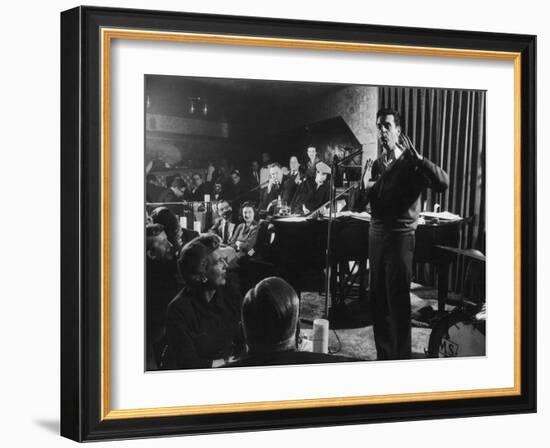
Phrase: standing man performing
x=393 y=184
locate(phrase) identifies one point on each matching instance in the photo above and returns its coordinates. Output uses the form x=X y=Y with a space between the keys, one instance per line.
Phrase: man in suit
x=224 y=226
x=198 y=188
x=292 y=182
x=274 y=187
x=264 y=169
x=238 y=189
x=254 y=173
x=311 y=162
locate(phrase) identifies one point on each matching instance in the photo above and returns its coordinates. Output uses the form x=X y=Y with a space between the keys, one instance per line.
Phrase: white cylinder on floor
x=320 y=336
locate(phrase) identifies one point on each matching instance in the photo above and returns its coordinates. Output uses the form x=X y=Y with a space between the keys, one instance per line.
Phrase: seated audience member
x=176 y=235
x=292 y=181
x=198 y=189
x=246 y=233
x=224 y=226
x=238 y=189
x=178 y=189
x=303 y=190
x=210 y=172
x=311 y=162
x=275 y=187
x=203 y=321
x=294 y=167
x=176 y=192
x=223 y=175
x=254 y=173
x=320 y=191
x=218 y=194
x=264 y=169
x=154 y=191
x=161 y=287
x=270 y=318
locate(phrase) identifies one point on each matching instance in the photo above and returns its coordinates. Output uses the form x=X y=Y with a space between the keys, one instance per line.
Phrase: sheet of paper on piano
x=293 y=219
x=447 y=216
x=363 y=216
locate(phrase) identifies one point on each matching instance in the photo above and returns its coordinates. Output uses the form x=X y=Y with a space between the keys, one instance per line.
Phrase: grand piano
x=299 y=245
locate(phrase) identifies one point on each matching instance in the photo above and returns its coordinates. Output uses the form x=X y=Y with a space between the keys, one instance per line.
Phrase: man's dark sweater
x=395 y=195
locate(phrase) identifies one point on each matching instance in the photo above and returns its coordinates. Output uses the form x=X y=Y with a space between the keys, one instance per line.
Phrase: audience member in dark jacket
x=270 y=318
x=203 y=322
x=320 y=192
x=161 y=287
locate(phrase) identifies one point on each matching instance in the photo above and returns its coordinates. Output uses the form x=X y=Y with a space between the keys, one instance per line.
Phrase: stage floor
x=353 y=336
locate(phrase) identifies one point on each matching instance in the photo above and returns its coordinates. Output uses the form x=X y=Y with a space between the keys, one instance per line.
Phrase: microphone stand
x=328 y=264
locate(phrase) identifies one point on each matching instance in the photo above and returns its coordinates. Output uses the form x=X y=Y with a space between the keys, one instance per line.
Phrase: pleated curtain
x=448 y=127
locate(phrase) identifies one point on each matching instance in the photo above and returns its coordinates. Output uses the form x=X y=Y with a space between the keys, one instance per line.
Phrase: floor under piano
x=353 y=335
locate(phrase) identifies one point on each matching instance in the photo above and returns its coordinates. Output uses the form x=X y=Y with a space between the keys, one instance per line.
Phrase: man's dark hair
x=152 y=230
x=176 y=177
x=270 y=315
x=170 y=224
x=193 y=258
x=389 y=111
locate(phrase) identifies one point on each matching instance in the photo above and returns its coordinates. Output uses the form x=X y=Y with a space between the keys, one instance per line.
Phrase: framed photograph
x=275 y=224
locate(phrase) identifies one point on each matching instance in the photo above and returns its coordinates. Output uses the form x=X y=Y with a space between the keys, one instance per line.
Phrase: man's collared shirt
x=391 y=156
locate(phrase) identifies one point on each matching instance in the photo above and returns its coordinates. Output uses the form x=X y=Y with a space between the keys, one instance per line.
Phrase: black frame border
x=81 y=223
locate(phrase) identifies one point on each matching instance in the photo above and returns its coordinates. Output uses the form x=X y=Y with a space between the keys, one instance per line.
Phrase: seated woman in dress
x=203 y=322
x=245 y=235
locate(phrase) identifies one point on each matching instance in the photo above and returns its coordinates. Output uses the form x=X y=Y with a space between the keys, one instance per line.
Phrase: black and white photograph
x=273 y=223
x=296 y=222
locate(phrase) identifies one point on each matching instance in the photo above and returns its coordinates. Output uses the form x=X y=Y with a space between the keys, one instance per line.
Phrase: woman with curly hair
x=203 y=321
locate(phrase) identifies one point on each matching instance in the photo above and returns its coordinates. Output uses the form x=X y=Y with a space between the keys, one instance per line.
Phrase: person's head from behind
x=158 y=246
x=270 y=316
x=202 y=264
x=388 y=122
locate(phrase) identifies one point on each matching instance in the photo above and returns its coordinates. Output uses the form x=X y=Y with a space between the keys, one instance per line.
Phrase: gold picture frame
x=105 y=26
